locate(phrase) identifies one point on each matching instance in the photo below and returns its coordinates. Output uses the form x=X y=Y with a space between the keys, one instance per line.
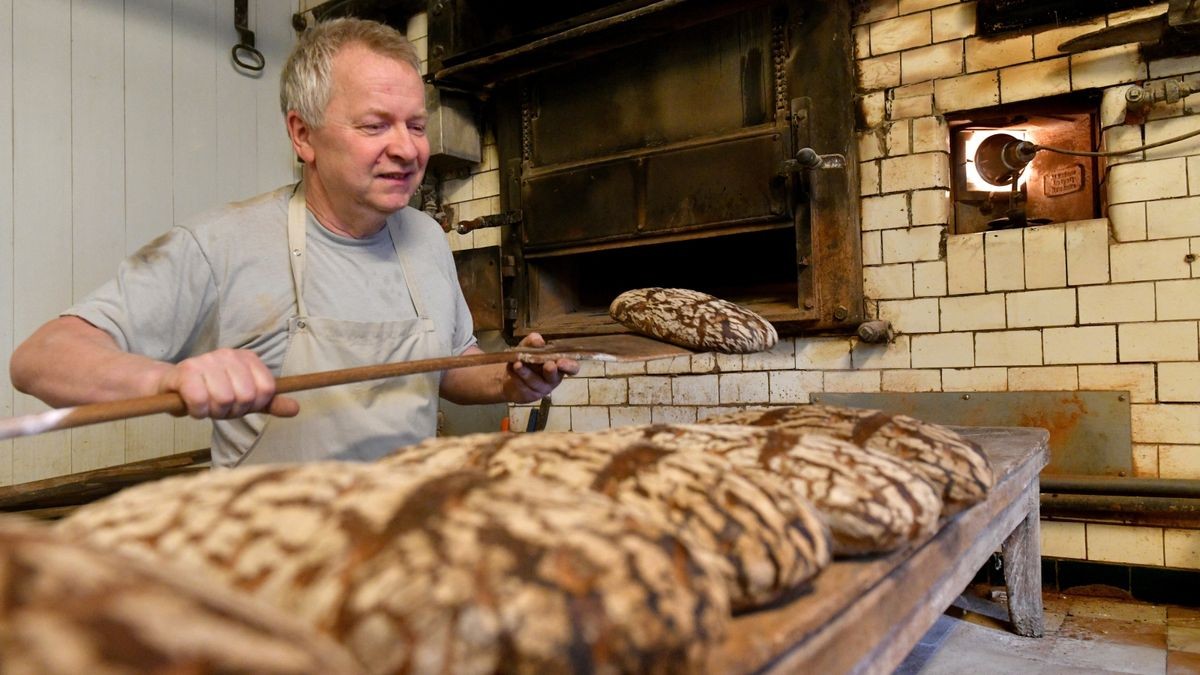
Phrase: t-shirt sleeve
x=162 y=302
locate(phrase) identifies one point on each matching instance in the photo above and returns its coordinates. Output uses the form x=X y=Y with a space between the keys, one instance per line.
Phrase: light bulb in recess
x=996 y=157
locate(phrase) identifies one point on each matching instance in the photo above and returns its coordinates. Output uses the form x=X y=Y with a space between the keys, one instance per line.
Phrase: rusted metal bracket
x=807 y=159
x=495 y=220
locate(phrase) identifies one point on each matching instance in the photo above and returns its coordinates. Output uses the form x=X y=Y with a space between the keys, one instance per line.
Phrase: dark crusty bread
x=765 y=539
x=70 y=608
x=433 y=573
x=956 y=466
x=872 y=502
x=693 y=319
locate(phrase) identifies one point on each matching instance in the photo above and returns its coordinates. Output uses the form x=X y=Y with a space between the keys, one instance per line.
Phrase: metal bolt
x=1189 y=258
x=808 y=304
x=966 y=397
x=840 y=313
x=815 y=399
x=296 y=252
x=1121 y=397
x=302 y=324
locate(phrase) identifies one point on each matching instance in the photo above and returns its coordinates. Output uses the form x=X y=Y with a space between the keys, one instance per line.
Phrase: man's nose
x=401 y=144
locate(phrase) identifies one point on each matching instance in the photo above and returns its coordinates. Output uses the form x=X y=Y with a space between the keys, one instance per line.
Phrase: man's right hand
x=68 y=361
x=226 y=383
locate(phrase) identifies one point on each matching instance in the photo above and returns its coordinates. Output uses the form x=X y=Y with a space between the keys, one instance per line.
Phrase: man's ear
x=301 y=134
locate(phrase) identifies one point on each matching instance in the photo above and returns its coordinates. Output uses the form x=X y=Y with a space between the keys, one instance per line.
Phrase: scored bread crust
x=432 y=573
x=955 y=465
x=872 y=502
x=766 y=540
x=693 y=319
x=70 y=607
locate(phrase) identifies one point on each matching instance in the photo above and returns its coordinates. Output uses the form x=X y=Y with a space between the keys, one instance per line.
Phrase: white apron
x=361 y=421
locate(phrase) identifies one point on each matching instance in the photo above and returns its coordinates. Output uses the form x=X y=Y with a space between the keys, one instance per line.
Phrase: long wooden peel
x=599 y=348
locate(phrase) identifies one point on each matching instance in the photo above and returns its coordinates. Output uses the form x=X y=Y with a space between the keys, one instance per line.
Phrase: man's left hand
x=529 y=382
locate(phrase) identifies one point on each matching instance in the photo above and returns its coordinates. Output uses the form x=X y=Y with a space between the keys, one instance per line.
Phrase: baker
x=332 y=272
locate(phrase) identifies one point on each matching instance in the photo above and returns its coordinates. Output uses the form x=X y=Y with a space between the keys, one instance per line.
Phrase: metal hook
x=244 y=53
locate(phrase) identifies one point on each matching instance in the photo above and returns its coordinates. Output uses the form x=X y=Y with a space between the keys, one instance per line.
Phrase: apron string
x=297 y=245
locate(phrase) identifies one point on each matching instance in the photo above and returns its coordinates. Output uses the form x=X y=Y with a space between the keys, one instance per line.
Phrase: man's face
x=369 y=155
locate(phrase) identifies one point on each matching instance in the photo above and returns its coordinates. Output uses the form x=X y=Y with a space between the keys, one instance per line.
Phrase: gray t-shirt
x=223 y=280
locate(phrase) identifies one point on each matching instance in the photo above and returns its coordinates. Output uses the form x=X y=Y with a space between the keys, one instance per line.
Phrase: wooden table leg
x=1022 y=555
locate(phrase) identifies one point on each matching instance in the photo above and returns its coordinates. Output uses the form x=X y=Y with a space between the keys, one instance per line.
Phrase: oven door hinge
x=495 y=220
x=508 y=267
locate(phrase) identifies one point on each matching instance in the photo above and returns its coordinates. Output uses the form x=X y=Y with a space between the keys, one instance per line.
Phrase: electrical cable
x=1113 y=153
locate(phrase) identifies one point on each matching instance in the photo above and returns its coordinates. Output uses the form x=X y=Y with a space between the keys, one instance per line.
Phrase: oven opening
x=996 y=188
x=570 y=293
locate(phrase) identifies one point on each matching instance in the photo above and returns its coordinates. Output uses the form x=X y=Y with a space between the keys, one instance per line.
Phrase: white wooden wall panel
x=97 y=182
x=237 y=124
x=41 y=36
x=6 y=231
x=276 y=164
x=194 y=72
x=149 y=204
x=120 y=117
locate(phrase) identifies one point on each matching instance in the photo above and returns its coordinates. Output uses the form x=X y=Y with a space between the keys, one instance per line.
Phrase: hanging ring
x=246 y=56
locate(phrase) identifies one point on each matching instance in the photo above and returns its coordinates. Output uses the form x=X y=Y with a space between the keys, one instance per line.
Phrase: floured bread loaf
x=454 y=572
x=766 y=539
x=872 y=502
x=954 y=465
x=71 y=608
x=693 y=319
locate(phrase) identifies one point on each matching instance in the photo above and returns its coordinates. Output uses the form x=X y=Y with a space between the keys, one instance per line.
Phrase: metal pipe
x=1112 y=486
x=1123 y=509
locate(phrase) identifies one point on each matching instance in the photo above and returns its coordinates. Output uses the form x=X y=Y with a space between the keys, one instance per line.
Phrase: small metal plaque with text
x=1063 y=181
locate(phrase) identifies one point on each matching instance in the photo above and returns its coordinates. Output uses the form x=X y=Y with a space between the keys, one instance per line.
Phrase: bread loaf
x=955 y=465
x=693 y=319
x=71 y=608
x=766 y=539
x=872 y=502
x=449 y=572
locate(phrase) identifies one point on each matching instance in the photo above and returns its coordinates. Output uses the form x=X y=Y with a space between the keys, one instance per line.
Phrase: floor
x=1102 y=633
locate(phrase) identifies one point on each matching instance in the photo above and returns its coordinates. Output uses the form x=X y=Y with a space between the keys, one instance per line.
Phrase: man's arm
x=512 y=382
x=68 y=361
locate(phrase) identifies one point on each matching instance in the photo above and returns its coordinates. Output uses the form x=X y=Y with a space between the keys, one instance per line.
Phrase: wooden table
x=865 y=615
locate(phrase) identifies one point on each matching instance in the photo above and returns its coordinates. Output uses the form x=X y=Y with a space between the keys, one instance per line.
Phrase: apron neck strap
x=297 y=247
x=414 y=290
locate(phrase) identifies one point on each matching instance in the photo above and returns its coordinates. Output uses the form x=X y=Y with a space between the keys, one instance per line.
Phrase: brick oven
x=1038 y=323
x=1084 y=320
x=706 y=145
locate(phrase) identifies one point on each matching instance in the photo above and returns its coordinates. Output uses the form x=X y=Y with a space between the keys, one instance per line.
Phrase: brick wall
x=1107 y=304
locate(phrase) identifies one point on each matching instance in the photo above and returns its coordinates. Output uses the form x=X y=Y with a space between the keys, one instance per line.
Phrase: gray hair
x=306 y=82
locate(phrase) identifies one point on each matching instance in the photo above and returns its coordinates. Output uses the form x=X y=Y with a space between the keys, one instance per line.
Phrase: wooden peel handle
x=95 y=413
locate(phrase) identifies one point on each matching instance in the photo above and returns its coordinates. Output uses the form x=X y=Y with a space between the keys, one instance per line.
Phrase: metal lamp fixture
x=1001 y=158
